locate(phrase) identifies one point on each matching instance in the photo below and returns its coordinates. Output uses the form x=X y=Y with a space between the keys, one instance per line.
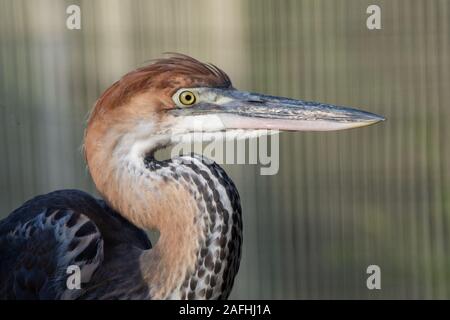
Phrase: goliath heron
x=189 y=199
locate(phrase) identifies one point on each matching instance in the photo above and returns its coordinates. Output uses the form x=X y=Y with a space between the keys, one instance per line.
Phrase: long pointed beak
x=245 y=110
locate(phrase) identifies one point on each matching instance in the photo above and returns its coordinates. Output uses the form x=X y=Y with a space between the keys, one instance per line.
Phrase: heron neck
x=154 y=203
x=193 y=255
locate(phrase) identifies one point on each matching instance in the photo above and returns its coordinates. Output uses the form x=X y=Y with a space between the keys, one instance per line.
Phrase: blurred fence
x=340 y=202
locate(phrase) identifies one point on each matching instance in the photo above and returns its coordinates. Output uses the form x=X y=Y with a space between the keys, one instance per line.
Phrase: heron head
x=178 y=96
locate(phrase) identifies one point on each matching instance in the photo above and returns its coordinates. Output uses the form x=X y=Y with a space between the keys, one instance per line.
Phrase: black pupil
x=188 y=97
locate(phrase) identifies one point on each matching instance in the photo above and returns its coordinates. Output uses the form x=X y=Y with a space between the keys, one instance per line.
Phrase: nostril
x=256 y=101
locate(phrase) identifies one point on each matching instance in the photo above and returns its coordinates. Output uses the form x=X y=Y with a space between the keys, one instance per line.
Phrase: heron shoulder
x=49 y=233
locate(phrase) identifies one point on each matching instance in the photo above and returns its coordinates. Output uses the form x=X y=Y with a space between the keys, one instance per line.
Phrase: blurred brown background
x=340 y=202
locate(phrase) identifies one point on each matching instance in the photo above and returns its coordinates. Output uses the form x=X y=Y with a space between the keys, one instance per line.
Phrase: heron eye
x=187 y=98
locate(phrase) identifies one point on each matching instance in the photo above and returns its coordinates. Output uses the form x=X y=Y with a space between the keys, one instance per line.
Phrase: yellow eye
x=187 y=98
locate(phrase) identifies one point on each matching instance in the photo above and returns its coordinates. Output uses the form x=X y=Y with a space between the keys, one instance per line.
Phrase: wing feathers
x=46 y=246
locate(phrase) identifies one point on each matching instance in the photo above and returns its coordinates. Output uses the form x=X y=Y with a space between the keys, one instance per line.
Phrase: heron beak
x=245 y=110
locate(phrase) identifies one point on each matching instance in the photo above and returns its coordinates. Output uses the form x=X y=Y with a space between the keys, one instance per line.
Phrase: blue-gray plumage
x=34 y=254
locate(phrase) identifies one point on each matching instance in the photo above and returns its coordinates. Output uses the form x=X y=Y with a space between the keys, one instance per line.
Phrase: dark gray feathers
x=39 y=240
